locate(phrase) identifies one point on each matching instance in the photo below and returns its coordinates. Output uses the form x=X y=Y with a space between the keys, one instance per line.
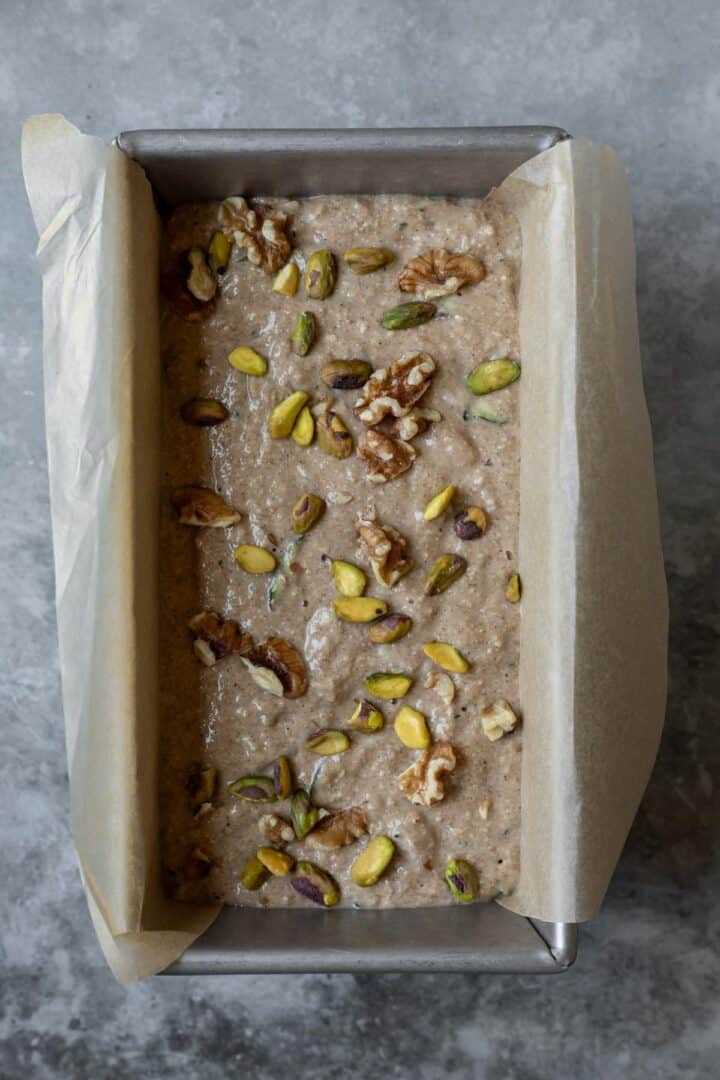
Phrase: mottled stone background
x=642 y=75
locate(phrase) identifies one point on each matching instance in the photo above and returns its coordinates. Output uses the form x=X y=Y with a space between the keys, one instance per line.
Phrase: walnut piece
x=415 y=423
x=216 y=637
x=392 y=391
x=498 y=719
x=442 y=684
x=203 y=507
x=386 y=457
x=388 y=551
x=285 y=661
x=423 y=782
x=276 y=830
x=339 y=829
x=440 y=273
x=263 y=234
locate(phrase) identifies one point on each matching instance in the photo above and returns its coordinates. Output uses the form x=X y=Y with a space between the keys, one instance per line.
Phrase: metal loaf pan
x=197 y=165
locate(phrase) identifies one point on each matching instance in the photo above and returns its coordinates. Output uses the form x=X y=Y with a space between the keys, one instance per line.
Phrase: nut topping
x=304 y=334
x=388 y=685
x=285 y=661
x=372 y=863
x=387 y=550
x=440 y=273
x=346 y=374
x=442 y=685
x=411 y=728
x=200 y=785
x=283 y=417
x=470 y=523
x=390 y=628
x=446 y=656
x=320 y=275
x=392 y=391
x=415 y=423
x=405 y=316
x=306 y=512
x=513 y=589
x=445 y=572
x=202 y=507
x=219 y=636
x=366 y=717
x=386 y=458
x=339 y=829
x=276 y=830
x=349 y=579
x=498 y=719
x=263 y=235
x=359 y=609
x=203 y=412
x=314 y=884
x=328 y=742
x=366 y=260
x=462 y=880
x=253 y=874
x=201 y=281
x=423 y=782
x=332 y=434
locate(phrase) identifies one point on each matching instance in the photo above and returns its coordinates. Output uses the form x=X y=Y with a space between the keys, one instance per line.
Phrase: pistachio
x=513 y=590
x=306 y=512
x=366 y=718
x=408 y=315
x=201 y=507
x=279 y=863
x=446 y=656
x=328 y=742
x=304 y=814
x=219 y=252
x=339 y=829
x=200 y=784
x=303 y=336
x=253 y=874
x=303 y=431
x=197 y=865
x=276 y=829
x=332 y=433
x=201 y=281
x=283 y=417
x=366 y=260
x=411 y=728
x=359 y=609
x=248 y=361
x=349 y=580
x=493 y=375
x=372 y=863
x=282 y=778
x=390 y=628
x=462 y=880
x=314 y=884
x=203 y=412
x=320 y=275
x=445 y=571
x=388 y=685
x=480 y=411
x=285 y=662
x=498 y=719
x=219 y=636
x=346 y=374
x=253 y=789
x=255 y=560
x=442 y=684
x=439 y=503
x=287 y=280
x=264 y=677
x=471 y=523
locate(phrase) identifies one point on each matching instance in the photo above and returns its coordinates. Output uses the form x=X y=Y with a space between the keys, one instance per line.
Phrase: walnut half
x=440 y=273
x=423 y=782
x=392 y=391
x=386 y=457
x=388 y=551
x=216 y=637
x=263 y=234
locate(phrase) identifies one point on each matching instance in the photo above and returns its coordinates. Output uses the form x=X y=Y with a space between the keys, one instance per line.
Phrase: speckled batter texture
x=217 y=716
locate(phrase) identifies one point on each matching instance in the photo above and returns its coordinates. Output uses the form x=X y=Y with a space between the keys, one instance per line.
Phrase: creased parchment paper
x=594 y=624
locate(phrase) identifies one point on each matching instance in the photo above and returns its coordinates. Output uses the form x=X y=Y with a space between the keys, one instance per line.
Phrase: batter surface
x=214 y=715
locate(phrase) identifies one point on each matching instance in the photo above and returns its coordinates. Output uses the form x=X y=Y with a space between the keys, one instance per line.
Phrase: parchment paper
x=594 y=624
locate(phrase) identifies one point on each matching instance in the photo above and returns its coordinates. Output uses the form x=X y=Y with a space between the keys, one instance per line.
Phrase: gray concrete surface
x=642 y=1001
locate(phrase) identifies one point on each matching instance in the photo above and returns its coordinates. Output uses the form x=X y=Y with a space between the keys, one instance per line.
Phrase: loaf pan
x=200 y=165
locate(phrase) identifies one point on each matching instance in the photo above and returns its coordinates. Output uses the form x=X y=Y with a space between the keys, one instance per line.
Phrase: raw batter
x=216 y=716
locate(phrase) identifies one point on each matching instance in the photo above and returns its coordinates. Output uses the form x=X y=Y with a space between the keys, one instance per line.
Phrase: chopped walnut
x=202 y=507
x=217 y=637
x=423 y=782
x=484 y=809
x=440 y=273
x=442 y=684
x=497 y=720
x=386 y=458
x=276 y=830
x=415 y=423
x=388 y=551
x=339 y=829
x=392 y=391
x=263 y=234
x=285 y=661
